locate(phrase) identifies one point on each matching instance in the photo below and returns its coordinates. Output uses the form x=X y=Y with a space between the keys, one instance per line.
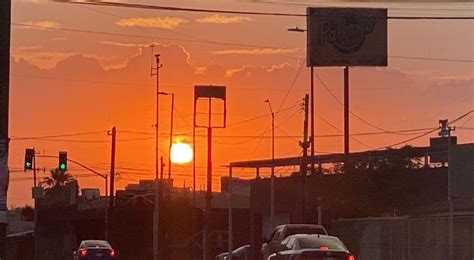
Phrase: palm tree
x=58 y=180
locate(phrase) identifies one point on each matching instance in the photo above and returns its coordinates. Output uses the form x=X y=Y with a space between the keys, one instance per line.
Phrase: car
x=312 y=247
x=241 y=253
x=94 y=250
x=272 y=244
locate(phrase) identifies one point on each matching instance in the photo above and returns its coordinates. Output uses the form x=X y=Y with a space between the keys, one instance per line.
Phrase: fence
x=407 y=238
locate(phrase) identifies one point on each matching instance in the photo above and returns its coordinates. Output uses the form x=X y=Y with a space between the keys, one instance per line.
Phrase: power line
x=200 y=41
x=56 y=136
x=339 y=130
x=427 y=133
x=202 y=10
x=389 y=8
x=350 y=111
x=432 y=59
x=291 y=86
x=148 y=37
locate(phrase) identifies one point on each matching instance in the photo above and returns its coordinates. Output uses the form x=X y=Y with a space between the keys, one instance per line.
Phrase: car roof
x=300 y=225
x=313 y=236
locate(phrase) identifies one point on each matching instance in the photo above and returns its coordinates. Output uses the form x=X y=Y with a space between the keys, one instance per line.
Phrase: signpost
x=210 y=93
x=345 y=37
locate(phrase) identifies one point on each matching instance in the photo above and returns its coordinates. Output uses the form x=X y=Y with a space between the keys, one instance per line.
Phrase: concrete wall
x=406 y=238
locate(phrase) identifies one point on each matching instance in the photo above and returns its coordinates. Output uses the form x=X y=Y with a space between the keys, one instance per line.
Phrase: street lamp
x=171 y=134
x=311 y=138
x=272 y=178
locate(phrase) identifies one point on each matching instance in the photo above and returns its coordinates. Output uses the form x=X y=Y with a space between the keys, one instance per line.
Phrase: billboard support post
x=207 y=92
x=346 y=119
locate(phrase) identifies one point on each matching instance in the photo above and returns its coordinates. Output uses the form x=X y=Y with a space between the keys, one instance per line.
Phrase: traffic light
x=29 y=157
x=63 y=161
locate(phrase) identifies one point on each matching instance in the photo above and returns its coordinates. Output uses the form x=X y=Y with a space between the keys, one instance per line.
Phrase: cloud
x=255 y=52
x=221 y=19
x=152 y=22
x=41 y=25
x=120 y=44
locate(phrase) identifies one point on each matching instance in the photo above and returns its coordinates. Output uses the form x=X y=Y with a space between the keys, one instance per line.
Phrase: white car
x=312 y=247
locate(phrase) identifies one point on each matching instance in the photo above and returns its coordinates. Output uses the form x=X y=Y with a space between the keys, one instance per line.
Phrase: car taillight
x=324 y=248
x=83 y=252
x=351 y=257
x=112 y=252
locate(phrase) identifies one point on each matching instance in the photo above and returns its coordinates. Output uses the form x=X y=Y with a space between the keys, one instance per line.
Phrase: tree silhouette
x=57 y=181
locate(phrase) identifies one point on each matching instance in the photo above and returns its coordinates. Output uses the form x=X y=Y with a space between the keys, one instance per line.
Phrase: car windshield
x=96 y=243
x=318 y=242
x=305 y=230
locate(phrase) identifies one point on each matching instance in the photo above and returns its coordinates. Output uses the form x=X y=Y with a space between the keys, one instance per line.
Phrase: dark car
x=94 y=250
x=272 y=244
x=312 y=247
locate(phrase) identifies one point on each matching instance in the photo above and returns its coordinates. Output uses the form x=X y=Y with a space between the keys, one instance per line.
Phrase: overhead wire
x=210 y=42
x=426 y=133
x=203 y=10
x=350 y=111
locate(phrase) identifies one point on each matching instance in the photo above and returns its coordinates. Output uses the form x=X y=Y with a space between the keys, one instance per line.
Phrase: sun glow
x=181 y=153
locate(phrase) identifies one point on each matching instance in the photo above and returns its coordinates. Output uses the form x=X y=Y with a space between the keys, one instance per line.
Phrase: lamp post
x=311 y=138
x=272 y=178
x=171 y=135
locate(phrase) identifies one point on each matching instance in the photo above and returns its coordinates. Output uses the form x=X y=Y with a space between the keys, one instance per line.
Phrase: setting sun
x=181 y=153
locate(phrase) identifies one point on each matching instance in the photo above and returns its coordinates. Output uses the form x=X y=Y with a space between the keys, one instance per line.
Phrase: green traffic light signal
x=63 y=161
x=29 y=157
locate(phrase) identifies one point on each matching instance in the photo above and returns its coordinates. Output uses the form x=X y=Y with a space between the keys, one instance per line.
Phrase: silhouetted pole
x=112 y=185
x=312 y=122
x=5 y=20
x=230 y=240
x=171 y=139
x=272 y=177
x=156 y=210
x=304 y=162
x=209 y=187
x=346 y=119
x=112 y=168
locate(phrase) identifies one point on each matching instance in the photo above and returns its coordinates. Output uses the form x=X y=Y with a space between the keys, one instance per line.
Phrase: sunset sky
x=80 y=69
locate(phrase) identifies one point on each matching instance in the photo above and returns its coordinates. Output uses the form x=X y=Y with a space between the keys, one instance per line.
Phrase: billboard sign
x=346 y=37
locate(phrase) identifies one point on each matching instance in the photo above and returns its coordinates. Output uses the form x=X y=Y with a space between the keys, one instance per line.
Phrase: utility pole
x=111 y=203
x=5 y=14
x=346 y=120
x=304 y=162
x=272 y=177
x=113 y=133
x=162 y=167
x=156 y=210
x=312 y=122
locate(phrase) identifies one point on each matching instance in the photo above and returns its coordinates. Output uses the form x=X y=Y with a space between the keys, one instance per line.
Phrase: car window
x=318 y=242
x=277 y=234
x=96 y=243
x=305 y=230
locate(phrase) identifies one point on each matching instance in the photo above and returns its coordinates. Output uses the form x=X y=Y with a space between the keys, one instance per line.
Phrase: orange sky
x=71 y=82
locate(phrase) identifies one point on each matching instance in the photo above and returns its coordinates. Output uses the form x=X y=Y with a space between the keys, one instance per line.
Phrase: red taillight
x=324 y=248
x=112 y=252
x=83 y=252
x=351 y=257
